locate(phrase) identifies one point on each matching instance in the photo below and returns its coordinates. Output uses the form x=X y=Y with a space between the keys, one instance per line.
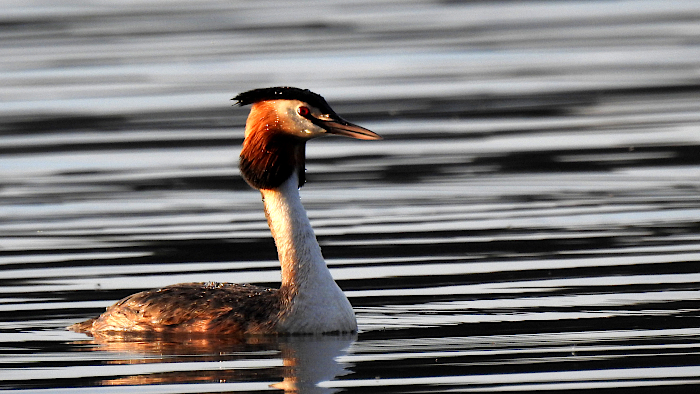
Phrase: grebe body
x=308 y=301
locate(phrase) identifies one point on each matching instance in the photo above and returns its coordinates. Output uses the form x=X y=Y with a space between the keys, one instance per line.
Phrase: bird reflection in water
x=296 y=363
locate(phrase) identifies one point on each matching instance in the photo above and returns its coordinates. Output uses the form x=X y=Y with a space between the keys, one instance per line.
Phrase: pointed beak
x=340 y=126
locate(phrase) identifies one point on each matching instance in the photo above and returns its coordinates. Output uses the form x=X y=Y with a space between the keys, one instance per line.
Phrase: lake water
x=530 y=221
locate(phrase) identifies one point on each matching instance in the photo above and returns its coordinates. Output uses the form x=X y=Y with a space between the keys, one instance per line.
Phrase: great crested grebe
x=309 y=301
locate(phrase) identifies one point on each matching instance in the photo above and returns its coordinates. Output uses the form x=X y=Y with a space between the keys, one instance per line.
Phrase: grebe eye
x=303 y=111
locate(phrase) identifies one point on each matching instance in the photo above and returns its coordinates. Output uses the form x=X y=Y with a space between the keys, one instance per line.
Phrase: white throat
x=312 y=301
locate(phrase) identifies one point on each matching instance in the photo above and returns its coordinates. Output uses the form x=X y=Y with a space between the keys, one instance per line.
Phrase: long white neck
x=311 y=300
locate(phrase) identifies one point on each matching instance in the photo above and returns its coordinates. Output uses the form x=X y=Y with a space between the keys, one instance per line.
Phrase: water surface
x=529 y=222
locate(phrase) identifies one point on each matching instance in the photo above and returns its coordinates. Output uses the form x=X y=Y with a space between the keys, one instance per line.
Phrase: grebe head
x=280 y=122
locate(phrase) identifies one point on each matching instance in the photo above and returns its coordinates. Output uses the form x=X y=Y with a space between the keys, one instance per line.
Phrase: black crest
x=283 y=93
